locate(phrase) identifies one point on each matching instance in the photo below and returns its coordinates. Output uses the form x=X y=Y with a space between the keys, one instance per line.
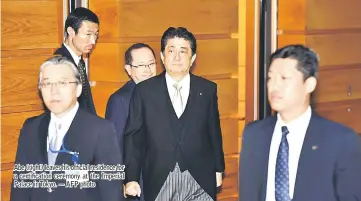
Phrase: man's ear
x=193 y=59
x=78 y=90
x=162 y=57
x=128 y=68
x=71 y=31
x=311 y=84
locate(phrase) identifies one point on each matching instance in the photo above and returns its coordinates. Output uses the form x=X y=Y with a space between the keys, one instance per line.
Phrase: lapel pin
x=314 y=147
x=200 y=93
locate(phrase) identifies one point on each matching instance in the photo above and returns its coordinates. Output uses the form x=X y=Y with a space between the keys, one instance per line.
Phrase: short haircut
x=178 y=32
x=75 y=19
x=307 y=59
x=58 y=60
x=128 y=52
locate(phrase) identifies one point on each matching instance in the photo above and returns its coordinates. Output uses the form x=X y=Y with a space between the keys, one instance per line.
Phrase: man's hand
x=219 y=178
x=93 y=83
x=125 y=195
x=132 y=188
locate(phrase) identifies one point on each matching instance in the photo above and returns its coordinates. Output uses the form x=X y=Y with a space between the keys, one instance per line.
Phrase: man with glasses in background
x=65 y=134
x=140 y=65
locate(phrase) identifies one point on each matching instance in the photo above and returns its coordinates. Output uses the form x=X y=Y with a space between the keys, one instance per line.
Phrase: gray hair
x=57 y=60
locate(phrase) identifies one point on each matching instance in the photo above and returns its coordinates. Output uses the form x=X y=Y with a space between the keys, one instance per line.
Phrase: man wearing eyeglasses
x=66 y=134
x=140 y=64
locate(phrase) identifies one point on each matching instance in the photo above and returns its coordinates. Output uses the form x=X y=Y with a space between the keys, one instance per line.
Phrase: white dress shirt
x=297 y=132
x=76 y=58
x=65 y=123
x=185 y=83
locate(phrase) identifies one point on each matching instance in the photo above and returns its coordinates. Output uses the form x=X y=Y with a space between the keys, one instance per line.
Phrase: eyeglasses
x=144 y=66
x=60 y=84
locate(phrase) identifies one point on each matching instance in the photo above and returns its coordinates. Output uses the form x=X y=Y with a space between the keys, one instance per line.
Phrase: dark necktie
x=85 y=82
x=282 y=173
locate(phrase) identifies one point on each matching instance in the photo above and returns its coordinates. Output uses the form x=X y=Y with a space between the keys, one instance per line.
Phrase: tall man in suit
x=81 y=34
x=297 y=154
x=173 y=132
x=85 y=138
x=140 y=65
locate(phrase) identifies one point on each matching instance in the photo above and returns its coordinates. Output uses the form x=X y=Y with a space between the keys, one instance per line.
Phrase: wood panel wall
x=333 y=30
x=220 y=29
x=31 y=30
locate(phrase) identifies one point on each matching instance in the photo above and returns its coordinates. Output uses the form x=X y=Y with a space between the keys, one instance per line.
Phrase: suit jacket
x=153 y=145
x=117 y=111
x=95 y=140
x=118 y=108
x=329 y=168
x=82 y=101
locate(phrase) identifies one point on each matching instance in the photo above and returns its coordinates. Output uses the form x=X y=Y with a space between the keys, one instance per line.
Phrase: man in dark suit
x=297 y=154
x=140 y=65
x=81 y=34
x=65 y=135
x=173 y=133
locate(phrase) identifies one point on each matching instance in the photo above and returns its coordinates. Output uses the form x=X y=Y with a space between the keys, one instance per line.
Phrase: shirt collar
x=302 y=120
x=183 y=82
x=72 y=53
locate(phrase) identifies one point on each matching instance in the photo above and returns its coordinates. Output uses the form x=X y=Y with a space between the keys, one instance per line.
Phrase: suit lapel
x=128 y=90
x=165 y=94
x=193 y=95
x=265 y=146
x=43 y=135
x=72 y=140
x=166 y=102
x=308 y=156
x=64 y=52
